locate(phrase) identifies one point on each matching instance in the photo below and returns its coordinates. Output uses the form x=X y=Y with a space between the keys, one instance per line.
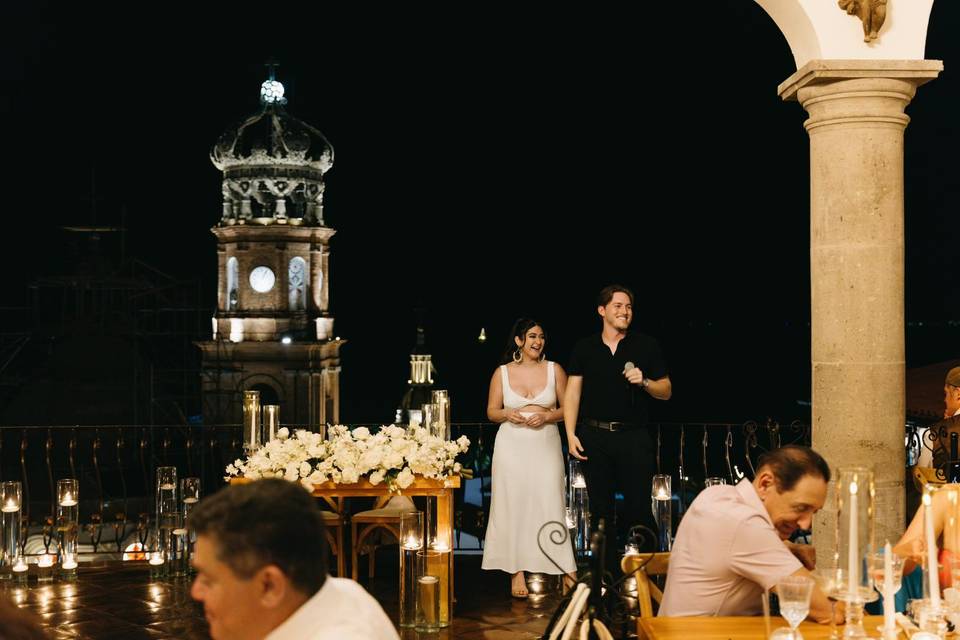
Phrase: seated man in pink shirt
x=733 y=540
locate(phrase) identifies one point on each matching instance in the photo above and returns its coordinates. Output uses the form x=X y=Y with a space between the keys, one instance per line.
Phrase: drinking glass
x=876 y=571
x=794 y=593
x=831 y=582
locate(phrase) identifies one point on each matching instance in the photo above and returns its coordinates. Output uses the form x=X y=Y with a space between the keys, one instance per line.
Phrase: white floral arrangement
x=392 y=455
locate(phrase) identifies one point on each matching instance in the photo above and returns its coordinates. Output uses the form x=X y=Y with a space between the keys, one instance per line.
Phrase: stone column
x=856 y=127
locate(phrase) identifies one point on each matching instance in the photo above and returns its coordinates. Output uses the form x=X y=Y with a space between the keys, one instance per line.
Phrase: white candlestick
x=853 y=557
x=933 y=572
x=889 y=620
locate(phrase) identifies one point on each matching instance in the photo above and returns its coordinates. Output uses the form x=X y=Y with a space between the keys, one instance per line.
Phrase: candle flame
x=853 y=488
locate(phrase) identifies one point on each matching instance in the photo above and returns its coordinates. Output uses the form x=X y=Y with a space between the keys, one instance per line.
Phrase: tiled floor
x=118 y=600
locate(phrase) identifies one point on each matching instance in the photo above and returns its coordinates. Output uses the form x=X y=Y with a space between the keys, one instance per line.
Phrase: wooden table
x=442 y=490
x=737 y=628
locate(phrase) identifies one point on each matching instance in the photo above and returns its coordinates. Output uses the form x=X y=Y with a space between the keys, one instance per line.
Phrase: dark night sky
x=529 y=131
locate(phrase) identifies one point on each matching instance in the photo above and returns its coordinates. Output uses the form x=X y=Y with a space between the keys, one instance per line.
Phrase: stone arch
x=271 y=389
x=817 y=30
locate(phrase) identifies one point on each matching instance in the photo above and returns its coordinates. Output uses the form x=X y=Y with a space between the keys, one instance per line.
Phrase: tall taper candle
x=853 y=555
x=931 y=543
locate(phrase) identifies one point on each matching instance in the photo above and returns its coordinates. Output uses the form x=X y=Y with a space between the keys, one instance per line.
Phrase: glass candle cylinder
x=713 y=481
x=441 y=399
x=855 y=494
x=661 y=496
x=20 y=570
x=429 y=415
x=428 y=592
x=177 y=557
x=45 y=568
x=251 y=421
x=190 y=495
x=439 y=566
x=68 y=526
x=411 y=543
x=271 y=421
x=166 y=489
x=167 y=507
x=158 y=565
x=11 y=503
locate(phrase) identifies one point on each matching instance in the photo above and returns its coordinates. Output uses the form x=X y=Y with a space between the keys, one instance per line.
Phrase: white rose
x=283 y=434
x=361 y=433
x=351 y=475
x=405 y=478
x=376 y=477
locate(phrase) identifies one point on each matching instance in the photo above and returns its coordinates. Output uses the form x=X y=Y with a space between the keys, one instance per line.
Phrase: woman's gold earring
x=518 y=356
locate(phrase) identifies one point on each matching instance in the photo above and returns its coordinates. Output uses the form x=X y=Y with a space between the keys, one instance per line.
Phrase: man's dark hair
x=790 y=463
x=606 y=294
x=264 y=522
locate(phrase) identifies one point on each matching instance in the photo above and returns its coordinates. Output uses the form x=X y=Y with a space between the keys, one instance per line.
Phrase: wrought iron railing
x=116 y=466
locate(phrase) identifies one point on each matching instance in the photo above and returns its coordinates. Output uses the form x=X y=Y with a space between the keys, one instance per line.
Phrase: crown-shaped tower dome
x=273 y=166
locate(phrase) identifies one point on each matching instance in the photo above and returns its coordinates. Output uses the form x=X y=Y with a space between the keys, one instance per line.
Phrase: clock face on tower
x=262 y=279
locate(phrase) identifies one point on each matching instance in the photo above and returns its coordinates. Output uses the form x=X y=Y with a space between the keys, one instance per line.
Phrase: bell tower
x=273 y=330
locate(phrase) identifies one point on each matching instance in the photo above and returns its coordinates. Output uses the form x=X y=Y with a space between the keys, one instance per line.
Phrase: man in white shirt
x=733 y=541
x=261 y=561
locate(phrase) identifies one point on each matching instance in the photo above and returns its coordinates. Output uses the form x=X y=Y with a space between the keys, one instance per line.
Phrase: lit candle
x=10 y=506
x=68 y=500
x=167 y=486
x=45 y=561
x=662 y=494
x=20 y=566
x=190 y=500
x=931 y=543
x=442 y=547
x=69 y=562
x=853 y=557
x=411 y=543
x=889 y=621
x=156 y=559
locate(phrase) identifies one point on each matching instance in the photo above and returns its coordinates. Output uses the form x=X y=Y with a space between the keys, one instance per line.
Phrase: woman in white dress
x=528 y=483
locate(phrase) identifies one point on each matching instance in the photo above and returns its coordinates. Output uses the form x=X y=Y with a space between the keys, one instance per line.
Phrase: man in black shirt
x=611 y=376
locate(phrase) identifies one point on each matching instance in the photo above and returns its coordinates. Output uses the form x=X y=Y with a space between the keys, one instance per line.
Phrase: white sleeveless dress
x=527 y=490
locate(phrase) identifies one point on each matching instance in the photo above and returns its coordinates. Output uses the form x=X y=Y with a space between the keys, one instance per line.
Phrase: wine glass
x=830 y=581
x=794 y=593
x=877 y=571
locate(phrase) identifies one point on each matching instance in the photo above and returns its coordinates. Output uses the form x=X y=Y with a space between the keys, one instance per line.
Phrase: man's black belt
x=610 y=426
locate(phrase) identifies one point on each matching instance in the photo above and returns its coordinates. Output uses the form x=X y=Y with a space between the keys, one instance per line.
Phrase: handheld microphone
x=628 y=365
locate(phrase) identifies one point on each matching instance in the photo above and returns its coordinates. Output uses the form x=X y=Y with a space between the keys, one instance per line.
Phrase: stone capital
x=826 y=72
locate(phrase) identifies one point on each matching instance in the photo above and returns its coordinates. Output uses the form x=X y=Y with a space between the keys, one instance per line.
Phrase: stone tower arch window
x=296 y=276
x=233 y=277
